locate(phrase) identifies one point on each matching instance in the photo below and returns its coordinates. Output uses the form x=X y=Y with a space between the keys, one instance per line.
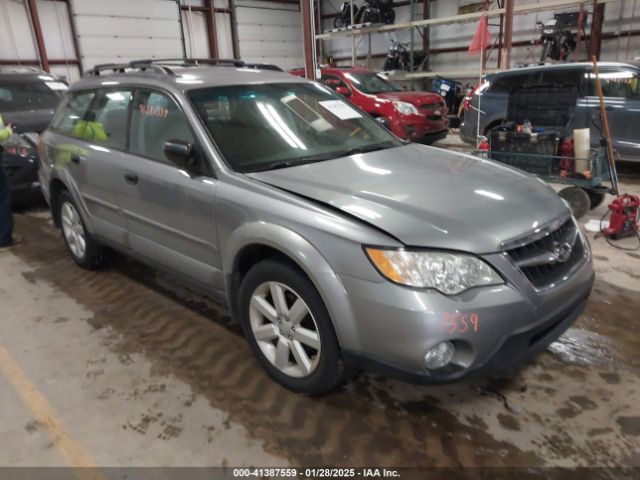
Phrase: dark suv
x=28 y=98
x=619 y=85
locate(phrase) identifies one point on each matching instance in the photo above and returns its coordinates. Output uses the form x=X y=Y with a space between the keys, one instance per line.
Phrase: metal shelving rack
x=433 y=22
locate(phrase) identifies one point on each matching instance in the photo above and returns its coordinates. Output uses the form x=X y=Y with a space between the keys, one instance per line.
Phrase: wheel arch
x=257 y=241
x=56 y=187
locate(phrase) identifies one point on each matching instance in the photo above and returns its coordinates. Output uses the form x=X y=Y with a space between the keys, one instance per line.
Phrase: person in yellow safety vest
x=7 y=240
x=89 y=130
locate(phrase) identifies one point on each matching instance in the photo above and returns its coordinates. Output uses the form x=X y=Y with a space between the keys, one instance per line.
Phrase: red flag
x=482 y=38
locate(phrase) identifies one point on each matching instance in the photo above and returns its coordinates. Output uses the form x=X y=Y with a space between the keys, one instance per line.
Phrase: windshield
x=372 y=83
x=17 y=97
x=262 y=127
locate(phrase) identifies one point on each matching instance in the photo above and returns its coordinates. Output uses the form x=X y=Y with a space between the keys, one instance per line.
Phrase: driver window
x=155 y=119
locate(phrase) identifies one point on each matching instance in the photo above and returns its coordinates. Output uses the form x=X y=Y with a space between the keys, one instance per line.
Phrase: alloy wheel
x=285 y=329
x=73 y=230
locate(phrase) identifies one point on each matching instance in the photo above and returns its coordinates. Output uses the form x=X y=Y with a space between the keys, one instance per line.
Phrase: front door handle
x=75 y=158
x=131 y=178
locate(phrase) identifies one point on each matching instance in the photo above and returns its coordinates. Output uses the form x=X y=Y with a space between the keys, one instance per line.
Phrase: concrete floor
x=124 y=367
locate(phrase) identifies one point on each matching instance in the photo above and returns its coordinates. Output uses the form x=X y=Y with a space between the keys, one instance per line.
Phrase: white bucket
x=582 y=148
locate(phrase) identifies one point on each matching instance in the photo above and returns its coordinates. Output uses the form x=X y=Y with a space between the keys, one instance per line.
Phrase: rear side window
x=155 y=119
x=562 y=78
x=69 y=116
x=27 y=95
x=105 y=122
x=506 y=83
x=616 y=83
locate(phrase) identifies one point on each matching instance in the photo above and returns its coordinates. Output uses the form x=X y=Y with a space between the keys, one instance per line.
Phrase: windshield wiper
x=364 y=149
x=292 y=163
x=325 y=156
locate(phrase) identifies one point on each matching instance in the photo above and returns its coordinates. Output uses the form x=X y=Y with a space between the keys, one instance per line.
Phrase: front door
x=170 y=212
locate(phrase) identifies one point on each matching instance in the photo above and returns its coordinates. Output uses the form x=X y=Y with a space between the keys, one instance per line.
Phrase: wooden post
x=37 y=30
x=212 y=37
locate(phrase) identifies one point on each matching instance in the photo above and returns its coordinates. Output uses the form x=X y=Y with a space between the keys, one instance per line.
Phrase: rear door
x=86 y=152
x=622 y=100
x=170 y=212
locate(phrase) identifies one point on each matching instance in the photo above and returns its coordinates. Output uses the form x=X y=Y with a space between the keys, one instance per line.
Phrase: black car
x=28 y=98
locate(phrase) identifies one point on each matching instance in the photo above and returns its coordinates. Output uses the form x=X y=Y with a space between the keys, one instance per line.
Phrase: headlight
x=449 y=273
x=405 y=108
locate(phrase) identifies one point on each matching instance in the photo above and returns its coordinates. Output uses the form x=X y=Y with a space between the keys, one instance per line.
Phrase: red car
x=417 y=116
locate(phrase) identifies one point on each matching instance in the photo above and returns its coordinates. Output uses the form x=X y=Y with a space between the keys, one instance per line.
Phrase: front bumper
x=513 y=322
x=417 y=127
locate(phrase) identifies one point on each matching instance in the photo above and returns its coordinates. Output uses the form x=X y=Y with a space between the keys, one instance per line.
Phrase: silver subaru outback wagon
x=333 y=242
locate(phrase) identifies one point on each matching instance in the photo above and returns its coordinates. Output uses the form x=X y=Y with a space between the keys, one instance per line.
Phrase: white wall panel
x=270 y=33
x=152 y=9
x=195 y=33
x=16 y=36
x=56 y=29
x=223 y=28
x=123 y=30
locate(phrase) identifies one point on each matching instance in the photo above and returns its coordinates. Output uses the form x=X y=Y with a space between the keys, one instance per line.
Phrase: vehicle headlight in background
x=405 y=108
x=449 y=273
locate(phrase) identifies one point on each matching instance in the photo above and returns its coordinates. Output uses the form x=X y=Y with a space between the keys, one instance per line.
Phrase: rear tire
x=84 y=250
x=288 y=328
x=595 y=199
x=578 y=200
x=389 y=16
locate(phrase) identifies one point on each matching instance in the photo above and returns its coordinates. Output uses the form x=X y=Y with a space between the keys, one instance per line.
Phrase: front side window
x=285 y=124
x=27 y=95
x=156 y=119
x=372 y=83
x=69 y=116
x=106 y=121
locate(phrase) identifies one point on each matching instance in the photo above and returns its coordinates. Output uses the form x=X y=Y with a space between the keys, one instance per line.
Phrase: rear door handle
x=131 y=178
x=75 y=158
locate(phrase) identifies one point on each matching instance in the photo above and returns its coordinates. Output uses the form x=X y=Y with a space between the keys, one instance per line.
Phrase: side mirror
x=382 y=121
x=344 y=91
x=180 y=153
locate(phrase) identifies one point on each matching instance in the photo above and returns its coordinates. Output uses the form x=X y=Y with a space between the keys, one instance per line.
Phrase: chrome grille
x=548 y=259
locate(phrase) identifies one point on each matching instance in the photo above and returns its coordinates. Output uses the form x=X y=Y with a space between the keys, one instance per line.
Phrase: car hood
x=415 y=98
x=428 y=197
x=29 y=120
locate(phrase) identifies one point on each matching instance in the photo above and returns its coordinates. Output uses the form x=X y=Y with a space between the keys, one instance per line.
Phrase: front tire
x=82 y=247
x=289 y=329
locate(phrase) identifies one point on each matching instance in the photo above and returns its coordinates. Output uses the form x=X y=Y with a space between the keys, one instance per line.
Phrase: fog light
x=439 y=356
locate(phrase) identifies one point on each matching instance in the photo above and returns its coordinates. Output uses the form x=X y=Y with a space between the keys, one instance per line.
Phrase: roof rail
x=126 y=67
x=264 y=66
x=167 y=65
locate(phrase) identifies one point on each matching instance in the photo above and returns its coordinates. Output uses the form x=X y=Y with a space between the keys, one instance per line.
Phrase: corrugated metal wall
x=270 y=33
x=123 y=30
